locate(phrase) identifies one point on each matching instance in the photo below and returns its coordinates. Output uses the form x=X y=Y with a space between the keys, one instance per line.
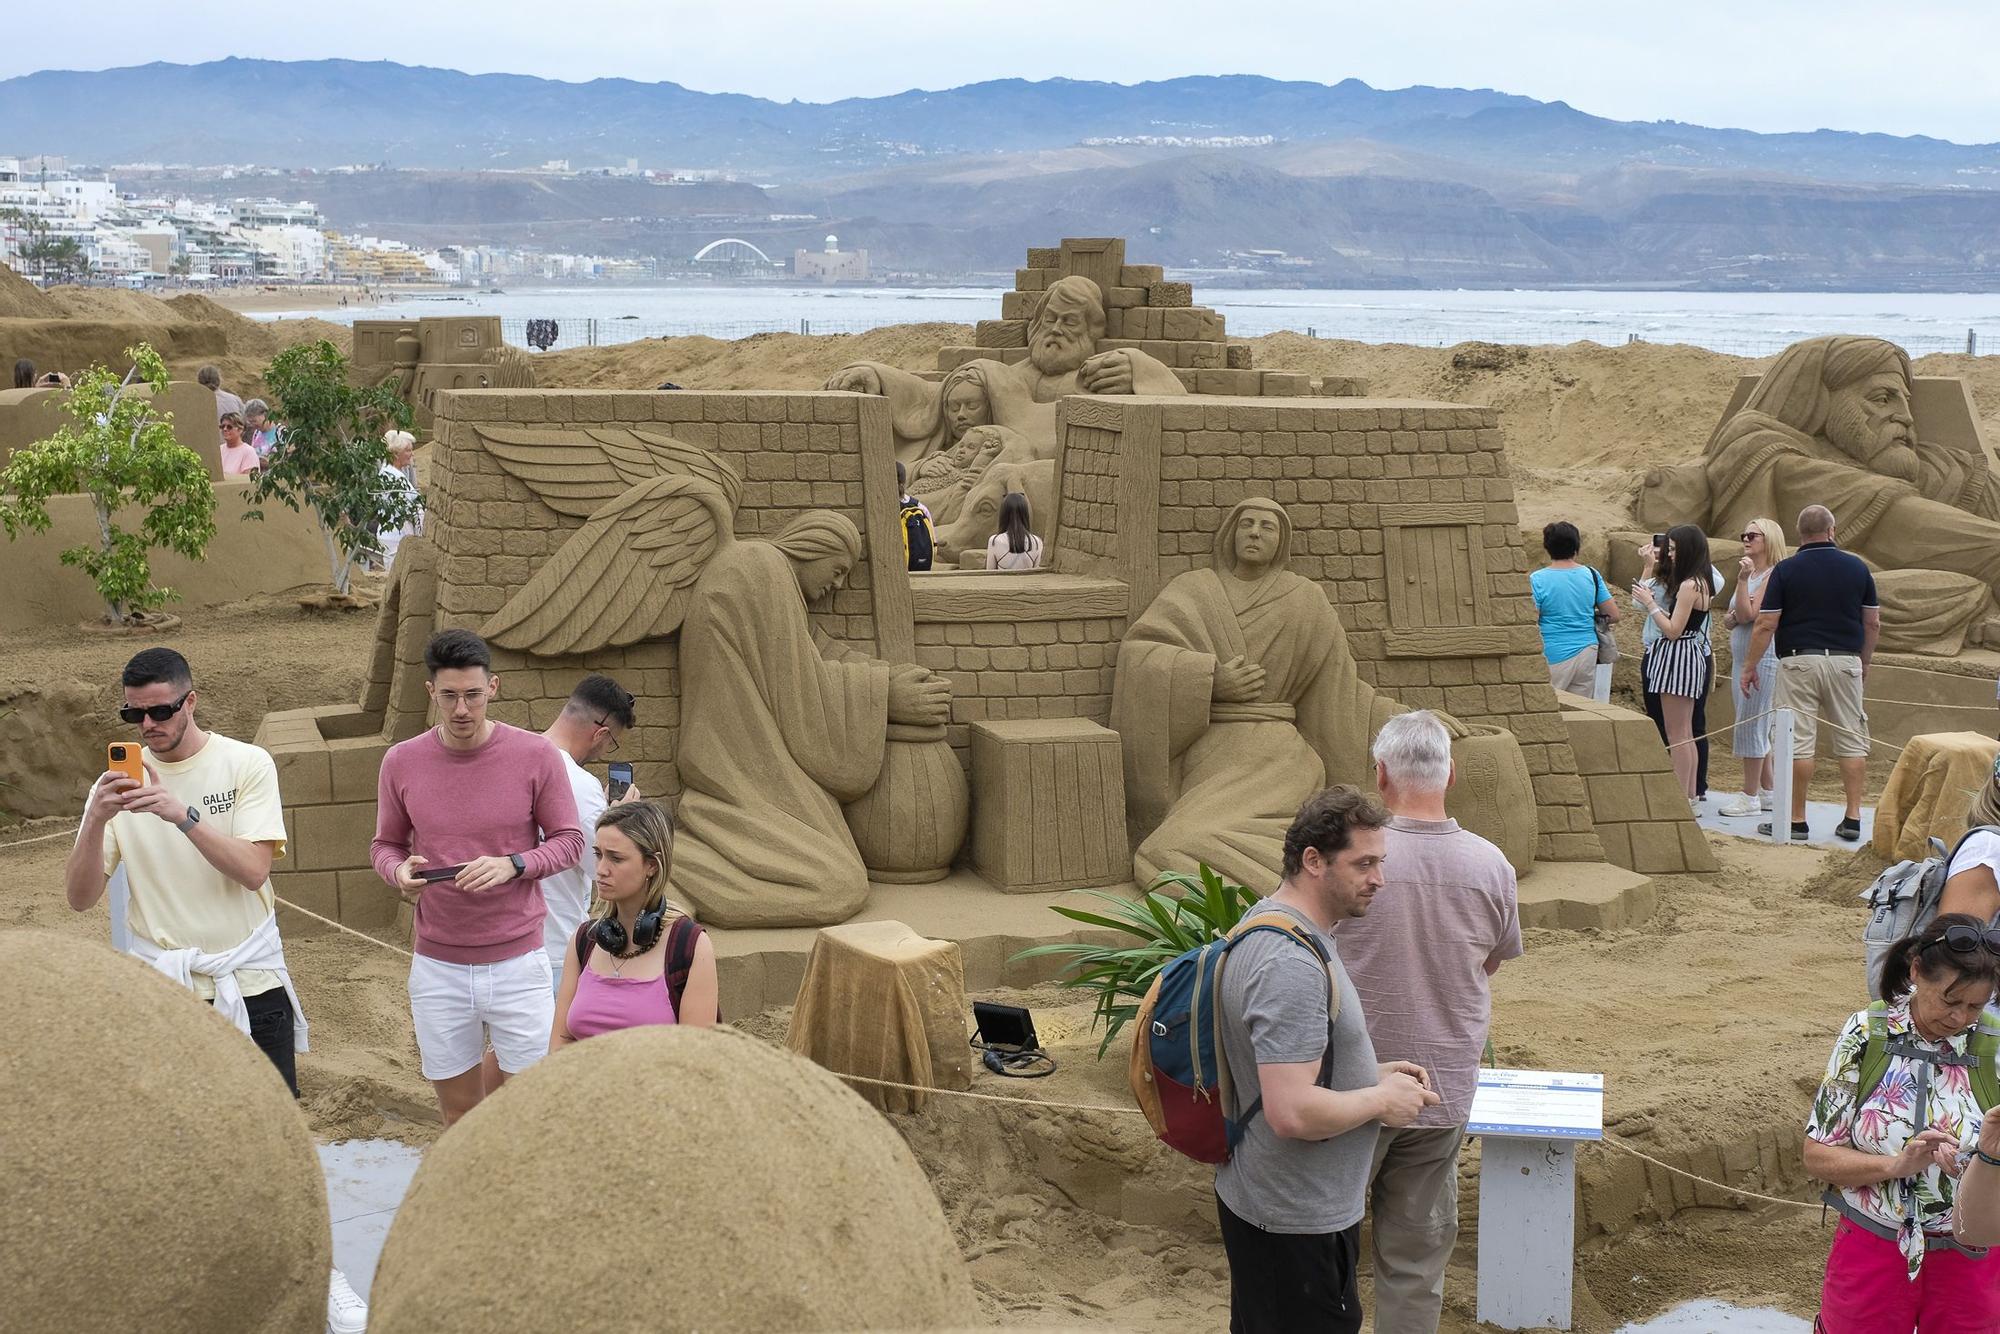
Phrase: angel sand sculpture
x=1830 y=423
x=780 y=725
x=930 y=418
x=1236 y=698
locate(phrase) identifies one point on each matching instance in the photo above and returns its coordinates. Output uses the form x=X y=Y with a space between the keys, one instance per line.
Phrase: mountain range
x=1356 y=185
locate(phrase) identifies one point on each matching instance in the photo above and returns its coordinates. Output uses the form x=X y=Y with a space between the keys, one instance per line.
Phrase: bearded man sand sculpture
x=1830 y=424
x=779 y=724
x=1236 y=698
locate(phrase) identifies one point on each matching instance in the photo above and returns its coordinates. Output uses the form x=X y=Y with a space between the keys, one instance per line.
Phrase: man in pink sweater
x=494 y=802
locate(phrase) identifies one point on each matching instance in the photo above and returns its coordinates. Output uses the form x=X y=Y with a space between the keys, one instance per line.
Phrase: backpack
x=918 y=543
x=1982 y=1053
x=1179 y=1073
x=1903 y=900
x=681 y=939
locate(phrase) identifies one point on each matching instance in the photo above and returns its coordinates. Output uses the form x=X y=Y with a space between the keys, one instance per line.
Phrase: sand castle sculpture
x=423 y=357
x=834 y=725
x=1840 y=421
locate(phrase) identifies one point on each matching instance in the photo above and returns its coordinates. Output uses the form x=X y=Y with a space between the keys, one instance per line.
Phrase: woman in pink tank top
x=622 y=980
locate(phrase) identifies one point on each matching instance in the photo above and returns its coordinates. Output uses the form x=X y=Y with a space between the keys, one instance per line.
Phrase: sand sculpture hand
x=1106 y=373
x=1238 y=681
x=918 y=696
x=856 y=380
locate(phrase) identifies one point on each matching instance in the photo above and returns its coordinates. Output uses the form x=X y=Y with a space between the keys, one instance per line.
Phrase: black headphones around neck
x=610 y=935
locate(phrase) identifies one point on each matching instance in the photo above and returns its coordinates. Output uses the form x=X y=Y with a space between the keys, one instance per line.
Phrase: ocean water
x=1750 y=324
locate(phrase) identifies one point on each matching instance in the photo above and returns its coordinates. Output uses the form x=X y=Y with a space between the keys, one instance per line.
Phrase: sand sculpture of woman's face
x=1258 y=533
x=822 y=575
x=965 y=407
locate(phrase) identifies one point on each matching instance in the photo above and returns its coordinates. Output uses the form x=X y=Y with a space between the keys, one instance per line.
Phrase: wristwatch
x=520 y=867
x=188 y=821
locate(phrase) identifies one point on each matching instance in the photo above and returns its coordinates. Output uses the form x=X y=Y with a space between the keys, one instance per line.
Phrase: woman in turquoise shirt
x=1568 y=599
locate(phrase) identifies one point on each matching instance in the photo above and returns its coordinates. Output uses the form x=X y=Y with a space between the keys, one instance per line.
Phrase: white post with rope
x=1782 y=721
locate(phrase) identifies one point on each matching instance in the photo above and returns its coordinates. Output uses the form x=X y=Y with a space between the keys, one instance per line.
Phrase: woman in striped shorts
x=1682 y=663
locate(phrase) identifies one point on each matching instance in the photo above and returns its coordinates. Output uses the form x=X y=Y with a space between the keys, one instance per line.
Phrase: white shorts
x=458 y=1007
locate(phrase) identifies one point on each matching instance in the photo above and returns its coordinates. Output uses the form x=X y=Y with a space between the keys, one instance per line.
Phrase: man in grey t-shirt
x=1290 y=1199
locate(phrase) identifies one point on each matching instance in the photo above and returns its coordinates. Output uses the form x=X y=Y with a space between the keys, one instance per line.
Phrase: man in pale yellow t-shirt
x=197 y=840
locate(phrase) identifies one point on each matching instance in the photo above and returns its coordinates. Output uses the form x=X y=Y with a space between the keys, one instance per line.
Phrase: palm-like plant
x=1177 y=913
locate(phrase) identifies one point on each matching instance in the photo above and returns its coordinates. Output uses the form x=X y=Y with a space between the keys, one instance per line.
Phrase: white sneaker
x=346 y=1313
x=1766 y=799
x=1739 y=805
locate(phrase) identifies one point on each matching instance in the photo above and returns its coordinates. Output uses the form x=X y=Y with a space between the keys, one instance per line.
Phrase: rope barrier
x=1609 y=1140
x=360 y=935
x=39 y=838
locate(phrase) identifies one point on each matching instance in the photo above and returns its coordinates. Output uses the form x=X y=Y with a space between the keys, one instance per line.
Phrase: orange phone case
x=132 y=766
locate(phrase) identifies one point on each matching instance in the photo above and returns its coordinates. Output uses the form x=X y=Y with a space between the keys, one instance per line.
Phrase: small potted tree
x=119 y=451
x=329 y=457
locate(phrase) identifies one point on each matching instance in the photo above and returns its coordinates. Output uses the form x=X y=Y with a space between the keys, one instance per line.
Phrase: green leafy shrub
x=1165 y=925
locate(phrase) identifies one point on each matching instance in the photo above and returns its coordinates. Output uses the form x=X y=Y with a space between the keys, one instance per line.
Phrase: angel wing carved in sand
x=656 y=510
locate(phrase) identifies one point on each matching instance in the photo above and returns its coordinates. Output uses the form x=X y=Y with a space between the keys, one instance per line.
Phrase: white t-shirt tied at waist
x=261 y=950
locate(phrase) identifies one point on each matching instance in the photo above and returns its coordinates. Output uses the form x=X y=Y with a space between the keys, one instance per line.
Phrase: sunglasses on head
x=1966 y=939
x=159 y=713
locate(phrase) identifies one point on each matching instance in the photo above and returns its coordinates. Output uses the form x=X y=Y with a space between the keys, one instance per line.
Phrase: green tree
x=329 y=454
x=120 y=451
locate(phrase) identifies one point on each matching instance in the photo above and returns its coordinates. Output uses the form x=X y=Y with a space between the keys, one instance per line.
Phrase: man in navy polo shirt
x=1821 y=604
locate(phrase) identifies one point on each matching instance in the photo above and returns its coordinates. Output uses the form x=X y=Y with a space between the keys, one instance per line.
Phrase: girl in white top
x=1013 y=547
x=1973 y=886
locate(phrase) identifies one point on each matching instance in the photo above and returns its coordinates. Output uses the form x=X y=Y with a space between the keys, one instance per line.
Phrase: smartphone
x=431 y=874
x=122 y=757
x=1660 y=543
x=621 y=780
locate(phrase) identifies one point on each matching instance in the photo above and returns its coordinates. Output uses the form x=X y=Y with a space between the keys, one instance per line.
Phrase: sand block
x=882 y=1001
x=1019 y=305
x=1238 y=356
x=1583 y=896
x=1928 y=792
x=1001 y=333
x=1049 y=805
x=1170 y=294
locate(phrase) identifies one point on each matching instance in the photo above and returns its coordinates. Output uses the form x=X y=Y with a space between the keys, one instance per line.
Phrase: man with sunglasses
x=597 y=714
x=197 y=840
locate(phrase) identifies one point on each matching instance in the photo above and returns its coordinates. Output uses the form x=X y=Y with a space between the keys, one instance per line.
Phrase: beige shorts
x=1815 y=686
x=1577 y=674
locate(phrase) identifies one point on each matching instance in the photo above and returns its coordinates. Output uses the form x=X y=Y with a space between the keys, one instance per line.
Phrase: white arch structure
x=704 y=252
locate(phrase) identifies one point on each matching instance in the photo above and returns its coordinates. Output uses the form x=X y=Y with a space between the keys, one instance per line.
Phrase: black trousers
x=271 y=1029
x=1284 y=1282
x=1700 y=723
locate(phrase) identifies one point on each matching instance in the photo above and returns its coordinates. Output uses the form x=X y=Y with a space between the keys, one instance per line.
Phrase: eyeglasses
x=1966 y=939
x=159 y=713
x=605 y=723
x=450 y=698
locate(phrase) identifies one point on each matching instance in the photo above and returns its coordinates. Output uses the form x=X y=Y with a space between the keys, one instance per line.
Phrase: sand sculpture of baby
x=942 y=480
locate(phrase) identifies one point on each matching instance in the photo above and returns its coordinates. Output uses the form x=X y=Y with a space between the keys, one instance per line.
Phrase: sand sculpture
x=1237 y=698
x=676 y=540
x=106 y=1225
x=881 y=1001
x=422 y=358
x=782 y=725
x=750 y=1190
x=1840 y=422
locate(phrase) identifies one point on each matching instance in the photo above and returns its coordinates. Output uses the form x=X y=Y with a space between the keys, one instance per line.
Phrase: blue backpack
x=1179 y=1072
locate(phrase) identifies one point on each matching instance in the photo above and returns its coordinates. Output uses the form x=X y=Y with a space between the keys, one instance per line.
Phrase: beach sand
x=1711 y=1022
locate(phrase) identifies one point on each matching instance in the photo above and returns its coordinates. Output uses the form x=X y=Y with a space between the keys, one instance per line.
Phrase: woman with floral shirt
x=1894 y=1159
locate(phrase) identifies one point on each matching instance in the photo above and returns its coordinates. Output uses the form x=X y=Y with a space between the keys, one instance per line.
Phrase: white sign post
x=1530 y=1121
x=1782 y=743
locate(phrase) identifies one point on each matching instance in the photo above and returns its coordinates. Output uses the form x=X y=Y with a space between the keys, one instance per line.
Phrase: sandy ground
x=1711 y=1022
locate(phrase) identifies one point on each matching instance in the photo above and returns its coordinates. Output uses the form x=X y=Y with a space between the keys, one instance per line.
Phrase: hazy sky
x=1918 y=67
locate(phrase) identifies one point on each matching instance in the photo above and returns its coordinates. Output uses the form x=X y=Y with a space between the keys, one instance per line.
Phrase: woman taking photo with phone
x=637 y=959
x=1750 y=741
x=1900 y=1096
x=1681 y=665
